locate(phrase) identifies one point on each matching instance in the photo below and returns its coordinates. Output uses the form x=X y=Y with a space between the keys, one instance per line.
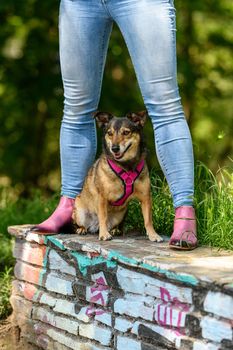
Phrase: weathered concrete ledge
x=75 y=292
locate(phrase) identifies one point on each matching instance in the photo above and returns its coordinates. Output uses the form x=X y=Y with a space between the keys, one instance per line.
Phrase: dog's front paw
x=105 y=236
x=154 y=237
x=81 y=230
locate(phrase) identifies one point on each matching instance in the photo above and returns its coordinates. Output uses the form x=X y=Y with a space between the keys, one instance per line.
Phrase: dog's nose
x=115 y=148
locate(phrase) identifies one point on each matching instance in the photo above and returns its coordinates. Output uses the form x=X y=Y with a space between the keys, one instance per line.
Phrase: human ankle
x=185 y=211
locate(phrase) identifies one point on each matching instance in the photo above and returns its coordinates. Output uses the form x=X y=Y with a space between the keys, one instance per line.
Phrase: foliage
x=213 y=203
x=205 y=69
x=20 y=211
x=5 y=288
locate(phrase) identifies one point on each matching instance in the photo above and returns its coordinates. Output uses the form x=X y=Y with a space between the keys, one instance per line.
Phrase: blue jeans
x=148 y=28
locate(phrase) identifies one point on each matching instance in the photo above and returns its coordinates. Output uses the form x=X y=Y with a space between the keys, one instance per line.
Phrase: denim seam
x=106 y=8
x=172 y=18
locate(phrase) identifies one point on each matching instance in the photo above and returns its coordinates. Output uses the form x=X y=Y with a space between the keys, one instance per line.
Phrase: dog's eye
x=126 y=132
x=110 y=133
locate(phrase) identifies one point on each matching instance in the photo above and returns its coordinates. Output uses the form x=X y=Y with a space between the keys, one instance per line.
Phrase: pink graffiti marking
x=92 y=311
x=97 y=296
x=167 y=307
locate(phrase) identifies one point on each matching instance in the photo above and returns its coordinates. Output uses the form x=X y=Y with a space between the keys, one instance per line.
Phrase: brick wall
x=74 y=292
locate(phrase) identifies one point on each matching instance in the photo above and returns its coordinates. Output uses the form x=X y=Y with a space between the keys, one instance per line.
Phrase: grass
x=5 y=288
x=14 y=211
x=213 y=203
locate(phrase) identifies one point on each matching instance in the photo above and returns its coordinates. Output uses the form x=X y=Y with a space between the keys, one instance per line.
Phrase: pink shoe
x=184 y=236
x=61 y=217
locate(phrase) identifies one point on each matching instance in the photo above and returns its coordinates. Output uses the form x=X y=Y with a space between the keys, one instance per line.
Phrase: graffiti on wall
x=171 y=312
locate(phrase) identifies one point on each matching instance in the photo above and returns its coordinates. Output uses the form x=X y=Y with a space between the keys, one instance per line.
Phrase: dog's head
x=123 y=139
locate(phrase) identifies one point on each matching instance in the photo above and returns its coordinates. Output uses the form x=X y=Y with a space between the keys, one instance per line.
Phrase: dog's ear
x=102 y=118
x=138 y=118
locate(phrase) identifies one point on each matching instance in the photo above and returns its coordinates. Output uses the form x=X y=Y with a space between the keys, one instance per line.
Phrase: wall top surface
x=201 y=266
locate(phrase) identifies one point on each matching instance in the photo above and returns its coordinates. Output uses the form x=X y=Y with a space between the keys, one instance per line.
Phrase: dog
x=117 y=176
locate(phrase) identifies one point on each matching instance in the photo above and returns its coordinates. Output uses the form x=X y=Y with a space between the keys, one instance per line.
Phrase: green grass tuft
x=5 y=288
x=213 y=203
x=214 y=207
x=15 y=211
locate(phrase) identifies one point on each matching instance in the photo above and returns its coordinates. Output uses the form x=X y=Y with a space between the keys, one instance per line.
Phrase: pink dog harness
x=127 y=177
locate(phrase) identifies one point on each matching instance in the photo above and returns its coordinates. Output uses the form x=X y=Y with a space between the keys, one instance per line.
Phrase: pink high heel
x=61 y=217
x=184 y=235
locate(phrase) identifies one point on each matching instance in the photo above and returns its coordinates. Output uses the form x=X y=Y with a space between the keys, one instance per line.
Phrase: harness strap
x=127 y=177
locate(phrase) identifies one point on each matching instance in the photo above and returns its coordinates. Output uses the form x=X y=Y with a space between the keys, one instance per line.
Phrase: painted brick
x=32 y=293
x=97 y=295
x=155 y=287
x=56 y=262
x=65 y=307
x=135 y=307
x=99 y=278
x=56 y=283
x=168 y=315
x=124 y=343
x=41 y=328
x=31 y=253
x=146 y=346
x=20 y=304
x=135 y=282
x=219 y=304
x=199 y=345
x=35 y=238
x=64 y=323
x=171 y=335
x=66 y=340
x=27 y=290
x=85 y=313
x=28 y=273
x=103 y=317
x=88 y=313
x=79 y=289
x=92 y=331
x=131 y=281
x=46 y=299
x=192 y=325
x=43 y=342
x=56 y=335
x=215 y=330
x=122 y=324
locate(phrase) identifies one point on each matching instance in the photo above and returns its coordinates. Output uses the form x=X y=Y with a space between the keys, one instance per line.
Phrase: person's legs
x=149 y=29
x=84 y=30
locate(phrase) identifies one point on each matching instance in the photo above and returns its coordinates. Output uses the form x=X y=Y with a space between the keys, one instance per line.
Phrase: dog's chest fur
x=101 y=181
x=111 y=186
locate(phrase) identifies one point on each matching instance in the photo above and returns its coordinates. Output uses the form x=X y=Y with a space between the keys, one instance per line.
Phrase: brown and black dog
x=117 y=176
